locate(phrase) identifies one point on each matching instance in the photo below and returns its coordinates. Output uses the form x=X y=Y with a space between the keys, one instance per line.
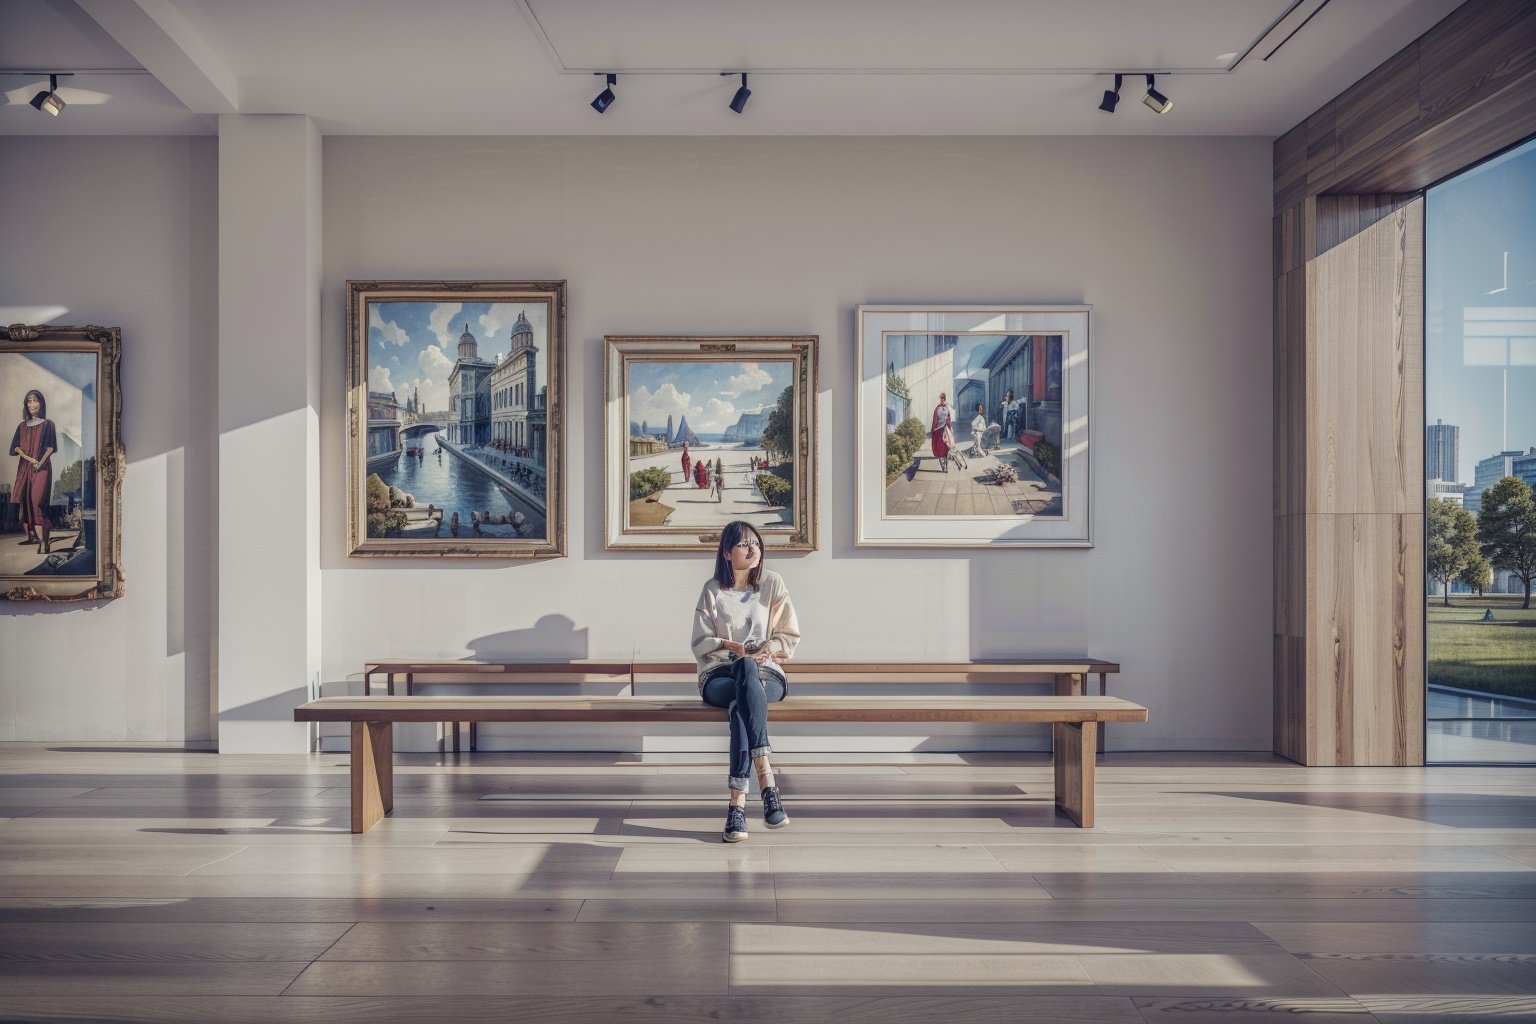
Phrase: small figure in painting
x=34 y=442
x=701 y=474
x=940 y=432
x=1010 y=417
x=687 y=462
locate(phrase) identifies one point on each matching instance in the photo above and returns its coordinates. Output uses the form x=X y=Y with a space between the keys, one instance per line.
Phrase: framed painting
x=973 y=426
x=61 y=480
x=456 y=412
x=703 y=431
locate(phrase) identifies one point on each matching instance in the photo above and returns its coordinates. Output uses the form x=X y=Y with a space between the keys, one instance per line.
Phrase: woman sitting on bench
x=743 y=629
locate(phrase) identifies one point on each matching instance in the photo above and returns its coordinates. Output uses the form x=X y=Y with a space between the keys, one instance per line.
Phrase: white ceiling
x=821 y=67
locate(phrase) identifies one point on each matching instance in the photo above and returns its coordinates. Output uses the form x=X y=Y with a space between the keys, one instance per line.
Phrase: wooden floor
x=140 y=884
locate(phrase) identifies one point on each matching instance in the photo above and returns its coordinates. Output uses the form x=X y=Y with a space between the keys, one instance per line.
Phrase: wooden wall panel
x=1479 y=50
x=1290 y=395
x=1290 y=731
x=1322 y=147
x=1290 y=568
x=1360 y=365
x=1290 y=156
x=1364 y=668
x=1377 y=113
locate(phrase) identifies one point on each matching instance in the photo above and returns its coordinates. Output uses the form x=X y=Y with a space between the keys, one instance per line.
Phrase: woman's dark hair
x=733 y=534
x=42 y=405
x=1010 y=392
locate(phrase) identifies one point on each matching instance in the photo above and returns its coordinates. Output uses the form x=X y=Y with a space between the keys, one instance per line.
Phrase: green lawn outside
x=1493 y=657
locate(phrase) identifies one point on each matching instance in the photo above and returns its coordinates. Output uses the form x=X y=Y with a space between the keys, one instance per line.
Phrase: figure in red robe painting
x=701 y=474
x=940 y=433
x=687 y=468
x=34 y=443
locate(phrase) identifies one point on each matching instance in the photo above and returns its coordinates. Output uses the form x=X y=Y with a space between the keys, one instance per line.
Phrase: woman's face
x=33 y=405
x=746 y=554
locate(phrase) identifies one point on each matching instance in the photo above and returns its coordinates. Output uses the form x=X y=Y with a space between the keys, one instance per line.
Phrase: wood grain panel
x=1291 y=250
x=1456 y=143
x=1290 y=394
x=1471 y=56
x=1290 y=161
x=1360 y=364
x=1290 y=567
x=1290 y=698
x=1376 y=114
x=1364 y=667
x=1322 y=146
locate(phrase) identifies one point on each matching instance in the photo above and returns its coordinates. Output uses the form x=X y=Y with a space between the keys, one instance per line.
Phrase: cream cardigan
x=711 y=625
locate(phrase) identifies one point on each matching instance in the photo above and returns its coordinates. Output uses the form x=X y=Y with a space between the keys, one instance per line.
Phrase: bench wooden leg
x=1073 y=744
x=373 y=773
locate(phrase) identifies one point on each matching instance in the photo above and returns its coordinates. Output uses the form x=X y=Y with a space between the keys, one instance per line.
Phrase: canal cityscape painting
x=455 y=418
x=61 y=470
x=704 y=431
x=973 y=426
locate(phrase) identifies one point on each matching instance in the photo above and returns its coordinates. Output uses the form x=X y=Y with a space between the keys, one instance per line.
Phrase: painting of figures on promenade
x=455 y=409
x=973 y=426
x=61 y=470
x=704 y=431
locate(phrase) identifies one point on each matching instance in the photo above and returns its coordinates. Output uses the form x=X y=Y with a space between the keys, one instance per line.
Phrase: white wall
x=122 y=232
x=1168 y=239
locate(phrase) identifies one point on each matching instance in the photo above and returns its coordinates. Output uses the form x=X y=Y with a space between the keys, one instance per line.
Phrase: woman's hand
x=734 y=646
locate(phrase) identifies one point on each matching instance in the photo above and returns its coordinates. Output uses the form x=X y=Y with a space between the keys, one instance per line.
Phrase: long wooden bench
x=1066 y=676
x=1075 y=721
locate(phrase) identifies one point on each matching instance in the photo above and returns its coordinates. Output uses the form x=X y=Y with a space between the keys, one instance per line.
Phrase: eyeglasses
x=749 y=544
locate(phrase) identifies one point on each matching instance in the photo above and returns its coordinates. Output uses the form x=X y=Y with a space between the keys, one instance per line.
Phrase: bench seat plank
x=791 y=709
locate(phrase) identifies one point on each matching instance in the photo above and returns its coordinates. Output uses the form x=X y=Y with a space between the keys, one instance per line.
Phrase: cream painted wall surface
x=1168 y=239
x=123 y=232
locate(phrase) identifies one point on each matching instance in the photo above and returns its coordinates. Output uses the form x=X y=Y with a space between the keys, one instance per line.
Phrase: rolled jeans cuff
x=758 y=752
x=738 y=784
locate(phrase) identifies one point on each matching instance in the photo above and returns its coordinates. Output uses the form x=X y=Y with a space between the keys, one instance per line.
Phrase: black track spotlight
x=739 y=101
x=605 y=98
x=48 y=101
x=1154 y=99
x=1111 y=97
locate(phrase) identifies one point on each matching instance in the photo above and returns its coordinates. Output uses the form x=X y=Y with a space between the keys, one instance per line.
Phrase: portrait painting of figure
x=60 y=471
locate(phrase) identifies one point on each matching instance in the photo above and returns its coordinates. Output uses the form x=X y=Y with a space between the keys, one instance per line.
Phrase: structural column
x=269 y=467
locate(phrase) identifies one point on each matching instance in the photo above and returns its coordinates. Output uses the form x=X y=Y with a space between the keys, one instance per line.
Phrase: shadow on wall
x=552 y=638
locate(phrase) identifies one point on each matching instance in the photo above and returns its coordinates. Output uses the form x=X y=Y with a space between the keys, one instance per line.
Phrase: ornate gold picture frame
x=703 y=431
x=456 y=419
x=61 y=477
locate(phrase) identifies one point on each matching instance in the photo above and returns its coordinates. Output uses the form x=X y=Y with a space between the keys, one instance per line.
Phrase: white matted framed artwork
x=703 y=431
x=972 y=427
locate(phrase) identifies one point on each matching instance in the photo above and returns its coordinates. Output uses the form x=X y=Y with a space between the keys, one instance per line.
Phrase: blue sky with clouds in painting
x=414 y=344
x=713 y=395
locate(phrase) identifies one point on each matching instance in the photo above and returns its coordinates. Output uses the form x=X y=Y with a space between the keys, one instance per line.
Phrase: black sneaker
x=735 y=824
x=774 y=815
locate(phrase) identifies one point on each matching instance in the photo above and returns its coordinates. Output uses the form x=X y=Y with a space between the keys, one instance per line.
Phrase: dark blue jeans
x=745 y=693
